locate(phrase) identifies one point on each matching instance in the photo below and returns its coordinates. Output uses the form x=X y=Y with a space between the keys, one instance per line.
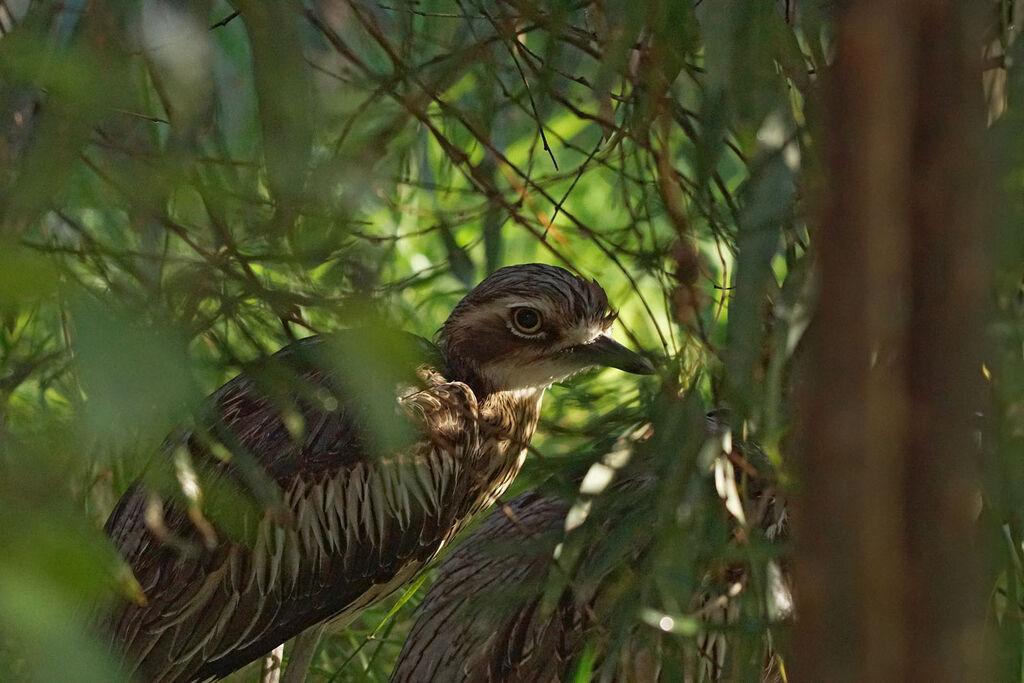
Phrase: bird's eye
x=526 y=320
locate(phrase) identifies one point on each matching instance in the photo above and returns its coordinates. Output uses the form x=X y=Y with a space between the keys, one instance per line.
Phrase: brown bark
x=886 y=560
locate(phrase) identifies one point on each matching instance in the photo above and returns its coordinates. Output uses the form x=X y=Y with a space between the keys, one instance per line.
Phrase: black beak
x=606 y=351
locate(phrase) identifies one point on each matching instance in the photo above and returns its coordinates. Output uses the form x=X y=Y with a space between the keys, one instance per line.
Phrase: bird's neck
x=507 y=422
x=507 y=413
x=512 y=414
x=457 y=370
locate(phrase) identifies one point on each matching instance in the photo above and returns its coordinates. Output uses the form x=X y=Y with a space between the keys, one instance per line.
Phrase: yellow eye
x=526 y=320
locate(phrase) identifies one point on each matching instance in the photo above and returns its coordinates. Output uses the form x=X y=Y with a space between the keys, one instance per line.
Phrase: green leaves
x=286 y=106
x=743 y=42
x=767 y=203
x=50 y=577
x=134 y=372
x=373 y=363
x=62 y=81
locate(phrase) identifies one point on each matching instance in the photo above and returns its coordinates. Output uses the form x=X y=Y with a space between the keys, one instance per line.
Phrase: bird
x=507 y=606
x=480 y=620
x=353 y=521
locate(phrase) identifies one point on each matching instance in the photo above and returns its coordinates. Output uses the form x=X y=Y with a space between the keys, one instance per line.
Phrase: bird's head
x=527 y=326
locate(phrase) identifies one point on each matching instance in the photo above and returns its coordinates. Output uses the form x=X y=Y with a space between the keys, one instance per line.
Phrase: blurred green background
x=186 y=186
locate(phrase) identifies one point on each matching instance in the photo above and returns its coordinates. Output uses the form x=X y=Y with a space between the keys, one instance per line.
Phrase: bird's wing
x=478 y=621
x=353 y=524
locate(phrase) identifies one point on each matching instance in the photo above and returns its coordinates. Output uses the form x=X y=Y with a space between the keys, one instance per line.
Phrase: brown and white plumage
x=503 y=609
x=480 y=620
x=356 y=523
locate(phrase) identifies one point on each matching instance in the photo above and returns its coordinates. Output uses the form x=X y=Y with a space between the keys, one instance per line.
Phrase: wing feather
x=352 y=527
x=477 y=622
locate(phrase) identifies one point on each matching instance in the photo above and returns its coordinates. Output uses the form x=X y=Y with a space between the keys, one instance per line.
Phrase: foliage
x=187 y=187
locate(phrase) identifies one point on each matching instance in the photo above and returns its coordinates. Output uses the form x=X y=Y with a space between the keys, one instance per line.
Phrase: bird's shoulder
x=328 y=401
x=434 y=396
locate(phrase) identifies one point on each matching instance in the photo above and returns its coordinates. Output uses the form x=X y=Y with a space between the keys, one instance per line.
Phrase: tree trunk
x=887 y=561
